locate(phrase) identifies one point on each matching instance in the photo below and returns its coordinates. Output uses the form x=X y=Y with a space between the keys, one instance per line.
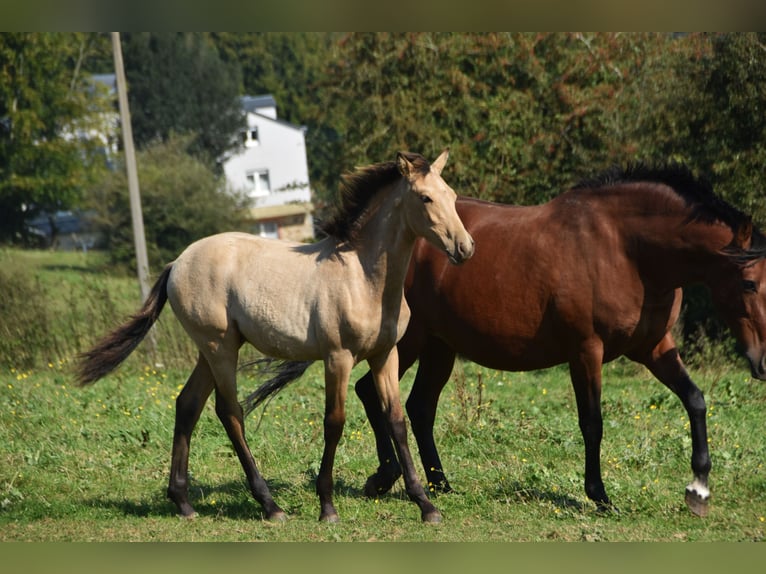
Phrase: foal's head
x=429 y=206
x=426 y=202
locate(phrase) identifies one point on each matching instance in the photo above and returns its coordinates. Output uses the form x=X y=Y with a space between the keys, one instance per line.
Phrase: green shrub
x=26 y=338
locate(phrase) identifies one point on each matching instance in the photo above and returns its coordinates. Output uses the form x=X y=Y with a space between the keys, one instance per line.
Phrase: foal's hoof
x=329 y=518
x=432 y=517
x=185 y=510
x=697 y=503
x=277 y=517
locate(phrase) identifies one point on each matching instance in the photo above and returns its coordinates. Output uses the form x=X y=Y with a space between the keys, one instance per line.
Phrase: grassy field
x=91 y=464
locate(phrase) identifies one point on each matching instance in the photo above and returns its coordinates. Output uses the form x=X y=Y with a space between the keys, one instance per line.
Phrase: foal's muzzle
x=463 y=251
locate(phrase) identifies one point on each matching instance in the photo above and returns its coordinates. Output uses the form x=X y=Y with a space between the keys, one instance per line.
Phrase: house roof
x=277 y=211
x=254 y=103
x=257 y=104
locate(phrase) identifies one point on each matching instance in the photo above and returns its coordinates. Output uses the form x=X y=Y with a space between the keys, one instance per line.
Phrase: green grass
x=91 y=464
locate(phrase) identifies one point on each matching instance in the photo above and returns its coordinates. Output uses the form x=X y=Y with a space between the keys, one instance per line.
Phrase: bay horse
x=594 y=274
x=339 y=300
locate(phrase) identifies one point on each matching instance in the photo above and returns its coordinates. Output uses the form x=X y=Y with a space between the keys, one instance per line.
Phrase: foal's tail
x=284 y=373
x=115 y=347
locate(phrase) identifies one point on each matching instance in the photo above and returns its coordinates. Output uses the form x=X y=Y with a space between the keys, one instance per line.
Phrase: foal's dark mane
x=357 y=190
x=697 y=192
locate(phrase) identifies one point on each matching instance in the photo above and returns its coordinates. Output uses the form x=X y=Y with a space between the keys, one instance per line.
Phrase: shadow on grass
x=523 y=493
x=239 y=502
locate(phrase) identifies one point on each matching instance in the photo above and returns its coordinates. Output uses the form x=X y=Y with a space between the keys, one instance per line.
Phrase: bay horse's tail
x=284 y=373
x=115 y=347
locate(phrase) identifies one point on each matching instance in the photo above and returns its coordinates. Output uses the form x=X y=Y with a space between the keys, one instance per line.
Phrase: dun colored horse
x=339 y=300
x=594 y=274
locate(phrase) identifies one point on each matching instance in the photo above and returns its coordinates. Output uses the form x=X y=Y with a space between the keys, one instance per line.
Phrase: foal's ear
x=404 y=165
x=744 y=233
x=439 y=162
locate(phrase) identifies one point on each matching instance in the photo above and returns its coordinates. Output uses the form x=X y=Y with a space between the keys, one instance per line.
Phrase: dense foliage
x=46 y=103
x=525 y=114
x=181 y=201
x=178 y=84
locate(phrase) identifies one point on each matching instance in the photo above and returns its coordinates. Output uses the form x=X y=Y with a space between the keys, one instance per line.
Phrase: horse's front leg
x=388 y=471
x=434 y=369
x=665 y=363
x=337 y=370
x=385 y=371
x=585 y=371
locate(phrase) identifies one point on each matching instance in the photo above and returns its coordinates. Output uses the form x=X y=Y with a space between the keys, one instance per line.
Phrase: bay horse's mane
x=697 y=192
x=357 y=190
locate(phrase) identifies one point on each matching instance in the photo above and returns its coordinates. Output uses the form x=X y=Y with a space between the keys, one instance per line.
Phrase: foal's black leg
x=388 y=471
x=665 y=364
x=586 y=380
x=386 y=373
x=189 y=405
x=434 y=369
x=229 y=412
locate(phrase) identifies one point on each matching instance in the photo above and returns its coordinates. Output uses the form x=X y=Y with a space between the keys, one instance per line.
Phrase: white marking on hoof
x=698 y=488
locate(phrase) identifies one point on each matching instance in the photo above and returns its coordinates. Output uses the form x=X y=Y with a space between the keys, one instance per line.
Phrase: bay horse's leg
x=337 y=372
x=189 y=405
x=585 y=371
x=229 y=412
x=385 y=370
x=665 y=363
x=434 y=369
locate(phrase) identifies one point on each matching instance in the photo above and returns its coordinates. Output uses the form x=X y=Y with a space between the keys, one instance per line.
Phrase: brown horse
x=594 y=274
x=339 y=300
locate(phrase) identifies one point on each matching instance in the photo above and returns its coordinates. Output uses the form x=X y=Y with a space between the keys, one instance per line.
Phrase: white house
x=271 y=167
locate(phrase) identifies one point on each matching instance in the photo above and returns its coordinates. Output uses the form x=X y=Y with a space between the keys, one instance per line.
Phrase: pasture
x=91 y=464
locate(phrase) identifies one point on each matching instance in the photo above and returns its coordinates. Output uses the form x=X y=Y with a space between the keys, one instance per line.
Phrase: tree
x=287 y=65
x=703 y=104
x=734 y=133
x=46 y=102
x=178 y=84
x=526 y=115
x=182 y=201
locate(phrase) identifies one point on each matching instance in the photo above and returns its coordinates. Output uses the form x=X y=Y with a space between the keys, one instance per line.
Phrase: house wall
x=282 y=151
x=285 y=211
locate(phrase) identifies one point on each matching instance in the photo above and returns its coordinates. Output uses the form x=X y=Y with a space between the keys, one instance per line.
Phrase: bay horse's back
x=515 y=272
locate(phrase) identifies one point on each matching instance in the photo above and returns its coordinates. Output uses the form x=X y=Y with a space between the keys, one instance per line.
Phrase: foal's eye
x=749 y=286
x=425 y=199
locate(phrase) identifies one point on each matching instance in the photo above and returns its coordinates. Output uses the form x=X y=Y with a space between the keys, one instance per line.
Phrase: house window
x=250 y=137
x=258 y=183
x=268 y=229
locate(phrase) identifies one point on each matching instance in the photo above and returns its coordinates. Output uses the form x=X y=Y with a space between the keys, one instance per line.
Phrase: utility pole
x=139 y=238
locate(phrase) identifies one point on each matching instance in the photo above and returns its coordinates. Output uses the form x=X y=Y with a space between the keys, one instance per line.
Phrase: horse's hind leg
x=189 y=405
x=229 y=412
x=665 y=363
